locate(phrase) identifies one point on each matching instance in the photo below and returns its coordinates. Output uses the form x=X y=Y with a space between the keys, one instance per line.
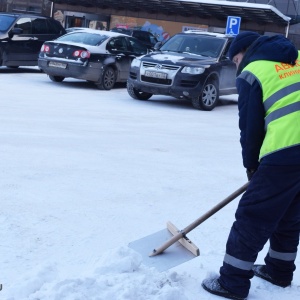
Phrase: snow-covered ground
x=84 y=172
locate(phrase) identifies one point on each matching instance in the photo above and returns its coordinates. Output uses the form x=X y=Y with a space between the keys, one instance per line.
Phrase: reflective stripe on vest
x=280 y=84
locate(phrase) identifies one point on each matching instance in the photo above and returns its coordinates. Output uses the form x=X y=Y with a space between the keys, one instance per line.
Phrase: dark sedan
x=97 y=56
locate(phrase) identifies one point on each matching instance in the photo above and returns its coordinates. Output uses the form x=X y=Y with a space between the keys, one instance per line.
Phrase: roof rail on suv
x=205 y=32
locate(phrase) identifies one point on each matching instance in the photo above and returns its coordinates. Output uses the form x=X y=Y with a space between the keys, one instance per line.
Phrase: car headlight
x=136 y=63
x=193 y=70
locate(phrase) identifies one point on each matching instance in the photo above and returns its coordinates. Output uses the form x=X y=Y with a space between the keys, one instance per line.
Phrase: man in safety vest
x=268 y=84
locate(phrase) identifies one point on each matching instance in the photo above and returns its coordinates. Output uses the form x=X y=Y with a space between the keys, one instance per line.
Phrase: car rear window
x=6 y=22
x=142 y=36
x=86 y=38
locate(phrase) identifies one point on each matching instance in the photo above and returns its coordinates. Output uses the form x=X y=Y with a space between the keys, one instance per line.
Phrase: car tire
x=208 y=98
x=108 y=79
x=56 y=78
x=135 y=94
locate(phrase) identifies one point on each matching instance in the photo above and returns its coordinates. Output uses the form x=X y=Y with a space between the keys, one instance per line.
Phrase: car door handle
x=33 y=38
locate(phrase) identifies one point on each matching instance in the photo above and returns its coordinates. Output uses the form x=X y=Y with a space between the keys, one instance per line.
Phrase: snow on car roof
x=103 y=32
x=205 y=33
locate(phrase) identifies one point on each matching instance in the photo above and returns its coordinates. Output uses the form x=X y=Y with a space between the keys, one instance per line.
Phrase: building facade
x=109 y=14
x=40 y=7
x=290 y=8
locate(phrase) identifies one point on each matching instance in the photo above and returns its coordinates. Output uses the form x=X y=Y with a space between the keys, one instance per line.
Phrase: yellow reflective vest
x=280 y=84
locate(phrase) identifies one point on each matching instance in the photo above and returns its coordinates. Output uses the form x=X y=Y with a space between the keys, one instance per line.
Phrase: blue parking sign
x=233 y=25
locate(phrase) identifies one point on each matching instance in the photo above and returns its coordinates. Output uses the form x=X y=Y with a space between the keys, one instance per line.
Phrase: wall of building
x=40 y=7
x=211 y=23
x=289 y=8
x=44 y=7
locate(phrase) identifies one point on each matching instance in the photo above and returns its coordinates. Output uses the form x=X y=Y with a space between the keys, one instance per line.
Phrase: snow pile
x=118 y=275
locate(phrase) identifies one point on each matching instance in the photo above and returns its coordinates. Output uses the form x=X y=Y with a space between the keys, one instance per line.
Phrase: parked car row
x=191 y=65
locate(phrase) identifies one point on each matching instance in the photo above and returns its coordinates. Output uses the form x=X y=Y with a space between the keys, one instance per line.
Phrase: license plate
x=155 y=74
x=57 y=64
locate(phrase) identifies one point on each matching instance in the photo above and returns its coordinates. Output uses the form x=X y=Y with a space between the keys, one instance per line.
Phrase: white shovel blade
x=173 y=256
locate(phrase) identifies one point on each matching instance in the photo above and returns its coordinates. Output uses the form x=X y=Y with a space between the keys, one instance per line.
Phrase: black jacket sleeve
x=251 y=121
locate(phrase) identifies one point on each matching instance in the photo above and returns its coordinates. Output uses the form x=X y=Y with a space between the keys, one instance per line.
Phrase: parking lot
x=84 y=171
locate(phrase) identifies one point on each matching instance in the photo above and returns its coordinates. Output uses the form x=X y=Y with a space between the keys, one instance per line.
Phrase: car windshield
x=87 y=38
x=6 y=22
x=195 y=44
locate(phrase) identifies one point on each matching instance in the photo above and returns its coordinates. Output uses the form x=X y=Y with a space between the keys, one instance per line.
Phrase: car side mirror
x=157 y=45
x=15 y=31
x=224 y=57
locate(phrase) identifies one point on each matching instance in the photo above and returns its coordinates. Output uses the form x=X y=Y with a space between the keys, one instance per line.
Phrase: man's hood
x=272 y=48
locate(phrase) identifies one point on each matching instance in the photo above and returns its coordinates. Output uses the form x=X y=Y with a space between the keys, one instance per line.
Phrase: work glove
x=250 y=173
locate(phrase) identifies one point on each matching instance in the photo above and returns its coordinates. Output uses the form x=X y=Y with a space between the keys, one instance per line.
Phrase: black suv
x=146 y=37
x=22 y=35
x=192 y=65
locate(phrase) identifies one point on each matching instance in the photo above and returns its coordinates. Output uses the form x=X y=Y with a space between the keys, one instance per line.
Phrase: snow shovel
x=180 y=248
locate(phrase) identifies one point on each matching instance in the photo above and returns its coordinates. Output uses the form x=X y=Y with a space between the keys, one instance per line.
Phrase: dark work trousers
x=268 y=210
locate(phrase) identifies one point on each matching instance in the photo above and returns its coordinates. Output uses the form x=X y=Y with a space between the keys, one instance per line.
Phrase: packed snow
x=85 y=172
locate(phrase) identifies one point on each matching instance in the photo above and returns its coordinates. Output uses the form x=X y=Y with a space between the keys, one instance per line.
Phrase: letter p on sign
x=233 y=25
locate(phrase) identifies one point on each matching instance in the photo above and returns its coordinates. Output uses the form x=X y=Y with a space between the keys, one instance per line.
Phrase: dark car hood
x=178 y=58
x=3 y=35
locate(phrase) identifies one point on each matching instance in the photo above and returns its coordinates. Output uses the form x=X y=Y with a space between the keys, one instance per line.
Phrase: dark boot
x=213 y=286
x=260 y=271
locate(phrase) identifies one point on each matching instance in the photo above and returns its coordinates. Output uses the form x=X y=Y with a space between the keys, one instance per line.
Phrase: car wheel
x=56 y=78
x=108 y=79
x=208 y=98
x=135 y=94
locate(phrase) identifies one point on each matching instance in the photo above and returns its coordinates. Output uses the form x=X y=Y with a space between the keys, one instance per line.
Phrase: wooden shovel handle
x=201 y=219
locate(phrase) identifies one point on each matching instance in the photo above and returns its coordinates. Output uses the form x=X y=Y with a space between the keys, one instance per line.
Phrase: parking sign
x=233 y=25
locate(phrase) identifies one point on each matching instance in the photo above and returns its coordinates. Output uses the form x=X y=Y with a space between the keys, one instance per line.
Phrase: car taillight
x=82 y=53
x=45 y=48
